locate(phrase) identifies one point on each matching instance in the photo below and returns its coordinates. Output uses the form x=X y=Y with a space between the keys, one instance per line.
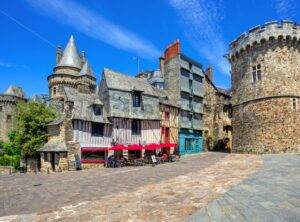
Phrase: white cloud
x=4 y=64
x=200 y=19
x=96 y=26
x=285 y=9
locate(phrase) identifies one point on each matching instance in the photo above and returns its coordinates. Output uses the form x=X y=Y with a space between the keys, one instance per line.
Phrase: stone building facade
x=183 y=78
x=265 y=66
x=80 y=137
x=169 y=125
x=8 y=101
x=217 y=115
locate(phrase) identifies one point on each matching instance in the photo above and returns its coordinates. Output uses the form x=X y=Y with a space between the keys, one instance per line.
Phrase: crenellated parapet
x=287 y=32
x=10 y=99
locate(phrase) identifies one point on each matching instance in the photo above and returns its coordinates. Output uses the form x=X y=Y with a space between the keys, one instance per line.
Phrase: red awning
x=118 y=147
x=135 y=147
x=93 y=149
x=152 y=146
x=169 y=145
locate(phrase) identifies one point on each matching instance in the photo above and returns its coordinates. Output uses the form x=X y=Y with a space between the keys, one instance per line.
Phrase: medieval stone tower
x=70 y=71
x=8 y=102
x=265 y=77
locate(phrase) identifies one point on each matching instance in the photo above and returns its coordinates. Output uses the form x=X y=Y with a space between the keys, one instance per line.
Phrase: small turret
x=70 y=56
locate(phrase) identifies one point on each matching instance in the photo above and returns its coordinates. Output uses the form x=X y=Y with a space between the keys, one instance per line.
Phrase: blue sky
x=112 y=32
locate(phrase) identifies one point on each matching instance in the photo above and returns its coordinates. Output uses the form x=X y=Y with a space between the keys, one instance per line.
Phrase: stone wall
x=216 y=118
x=7 y=111
x=266 y=126
x=5 y=170
x=265 y=119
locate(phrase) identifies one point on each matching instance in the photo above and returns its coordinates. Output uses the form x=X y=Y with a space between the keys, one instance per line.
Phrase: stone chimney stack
x=83 y=57
x=210 y=73
x=162 y=66
x=58 y=54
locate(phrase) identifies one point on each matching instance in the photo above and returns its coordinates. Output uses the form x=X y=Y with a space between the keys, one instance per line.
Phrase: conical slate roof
x=86 y=70
x=70 y=56
x=14 y=91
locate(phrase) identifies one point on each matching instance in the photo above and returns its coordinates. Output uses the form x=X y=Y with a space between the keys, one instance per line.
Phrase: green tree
x=31 y=126
x=9 y=152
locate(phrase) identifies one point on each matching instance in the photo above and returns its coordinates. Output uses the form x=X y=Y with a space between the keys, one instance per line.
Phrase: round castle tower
x=71 y=71
x=265 y=78
x=8 y=101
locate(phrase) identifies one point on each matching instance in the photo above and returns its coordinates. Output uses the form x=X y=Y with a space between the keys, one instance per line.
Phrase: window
x=294 y=101
x=198 y=99
x=188 y=144
x=197 y=78
x=97 y=129
x=185 y=73
x=93 y=157
x=54 y=91
x=45 y=156
x=167 y=116
x=191 y=84
x=136 y=99
x=256 y=72
x=0 y=108
x=8 y=118
x=136 y=127
x=97 y=110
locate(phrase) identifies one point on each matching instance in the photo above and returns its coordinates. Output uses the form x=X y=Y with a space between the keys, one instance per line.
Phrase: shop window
x=133 y=154
x=136 y=127
x=97 y=129
x=93 y=157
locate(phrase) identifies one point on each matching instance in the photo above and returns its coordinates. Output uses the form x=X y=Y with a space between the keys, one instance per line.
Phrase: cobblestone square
x=205 y=187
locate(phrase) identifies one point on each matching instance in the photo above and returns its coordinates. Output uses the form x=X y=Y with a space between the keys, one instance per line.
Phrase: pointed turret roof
x=86 y=70
x=70 y=56
x=14 y=91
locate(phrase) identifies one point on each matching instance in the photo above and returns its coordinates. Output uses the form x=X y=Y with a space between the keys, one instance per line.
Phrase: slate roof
x=224 y=91
x=57 y=121
x=83 y=106
x=165 y=98
x=86 y=70
x=14 y=91
x=120 y=81
x=70 y=56
x=54 y=146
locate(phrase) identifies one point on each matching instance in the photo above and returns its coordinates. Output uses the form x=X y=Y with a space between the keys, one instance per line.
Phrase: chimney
x=172 y=50
x=210 y=74
x=162 y=66
x=58 y=54
x=83 y=58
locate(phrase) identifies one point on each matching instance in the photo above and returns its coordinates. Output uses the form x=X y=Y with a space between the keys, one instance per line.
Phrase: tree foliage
x=9 y=152
x=31 y=126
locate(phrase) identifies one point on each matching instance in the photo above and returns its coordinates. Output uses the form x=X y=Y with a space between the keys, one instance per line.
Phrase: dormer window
x=136 y=99
x=97 y=110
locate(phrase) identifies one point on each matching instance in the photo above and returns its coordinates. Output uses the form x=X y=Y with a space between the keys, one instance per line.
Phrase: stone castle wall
x=7 y=114
x=266 y=126
x=264 y=117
